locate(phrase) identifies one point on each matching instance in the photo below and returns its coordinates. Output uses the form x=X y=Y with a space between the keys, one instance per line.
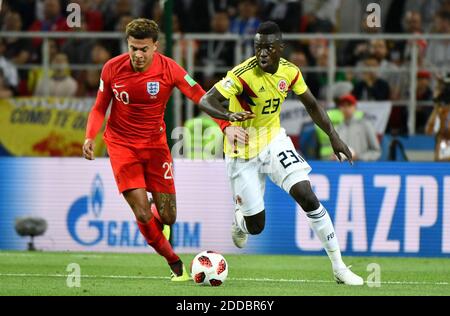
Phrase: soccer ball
x=209 y=268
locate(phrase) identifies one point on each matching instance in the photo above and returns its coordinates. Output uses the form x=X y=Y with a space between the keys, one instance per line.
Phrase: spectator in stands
x=340 y=89
x=389 y=71
x=427 y=10
x=103 y=6
x=78 y=50
x=88 y=80
x=246 y=23
x=35 y=74
x=357 y=132
x=194 y=16
x=445 y=6
x=423 y=93
x=122 y=46
x=60 y=83
x=298 y=57
x=17 y=49
x=5 y=9
x=8 y=68
x=100 y=53
x=197 y=14
x=439 y=121
x=120 y=8
x=217 y=53
x=322 y=61
x=355 y=50
x=438 y=51
x=319 y=16
x=371 y=87
x=5 y=90
x=224 y=5
x=412 y=24
x=286 y=13
x=88 y=87
x=25 y=8
x=93 y=18
x=107 y=8
x=154 y=11
x=53 y=21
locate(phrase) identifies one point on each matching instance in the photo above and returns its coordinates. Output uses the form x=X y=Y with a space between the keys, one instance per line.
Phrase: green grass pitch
x=44 y=273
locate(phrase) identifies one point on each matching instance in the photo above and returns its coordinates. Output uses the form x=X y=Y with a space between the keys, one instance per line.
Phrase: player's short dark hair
x=268 y=27
x=142 y=28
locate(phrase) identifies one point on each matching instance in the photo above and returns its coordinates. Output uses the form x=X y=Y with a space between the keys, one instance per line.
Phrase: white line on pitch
x=233 y=279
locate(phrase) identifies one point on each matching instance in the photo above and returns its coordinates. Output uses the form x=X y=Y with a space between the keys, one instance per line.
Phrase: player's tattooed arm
x=320 y=117
x=211 y=103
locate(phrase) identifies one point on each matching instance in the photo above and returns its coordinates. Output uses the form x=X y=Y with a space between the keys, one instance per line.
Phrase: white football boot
x=239 y=237
x=346 y=276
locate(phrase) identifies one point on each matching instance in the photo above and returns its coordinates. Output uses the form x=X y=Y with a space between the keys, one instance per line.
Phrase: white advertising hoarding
x=85 y=212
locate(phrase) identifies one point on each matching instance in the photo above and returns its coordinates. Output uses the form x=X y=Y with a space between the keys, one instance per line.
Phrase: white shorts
x=279 y=160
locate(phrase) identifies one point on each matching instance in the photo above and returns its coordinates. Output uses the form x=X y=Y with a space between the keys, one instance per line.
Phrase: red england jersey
x=138 y=99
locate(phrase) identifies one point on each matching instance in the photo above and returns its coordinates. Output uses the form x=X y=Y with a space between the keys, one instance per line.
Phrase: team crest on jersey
x=153 y=87
x=282 y=85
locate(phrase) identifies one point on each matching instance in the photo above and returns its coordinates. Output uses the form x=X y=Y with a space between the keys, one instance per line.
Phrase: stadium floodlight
x=31 y=226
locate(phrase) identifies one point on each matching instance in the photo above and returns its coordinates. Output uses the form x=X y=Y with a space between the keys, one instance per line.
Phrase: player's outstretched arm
x=95 y=122
x=98 y=112
x=320 y=117
x=211 y=103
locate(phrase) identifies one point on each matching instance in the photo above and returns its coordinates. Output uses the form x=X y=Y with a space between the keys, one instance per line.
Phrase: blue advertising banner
x=380 y=208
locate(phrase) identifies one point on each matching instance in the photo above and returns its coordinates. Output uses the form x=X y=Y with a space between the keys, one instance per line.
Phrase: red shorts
x=136 y=166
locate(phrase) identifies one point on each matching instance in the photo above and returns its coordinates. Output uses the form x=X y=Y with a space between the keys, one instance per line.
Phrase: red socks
x=155 y=213
x=154 y=237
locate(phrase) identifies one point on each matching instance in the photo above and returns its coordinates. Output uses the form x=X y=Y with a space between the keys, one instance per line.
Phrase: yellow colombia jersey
x=250 y=89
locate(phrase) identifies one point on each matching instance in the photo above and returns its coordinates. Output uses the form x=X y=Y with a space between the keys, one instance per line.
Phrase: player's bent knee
x=305 y=197
x=255 y=228
x=142 y=214
x=168 y=219
x=143 y=217
x=256 y=223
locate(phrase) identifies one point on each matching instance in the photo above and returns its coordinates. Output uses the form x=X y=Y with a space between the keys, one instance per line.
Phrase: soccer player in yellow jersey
x=257 y=146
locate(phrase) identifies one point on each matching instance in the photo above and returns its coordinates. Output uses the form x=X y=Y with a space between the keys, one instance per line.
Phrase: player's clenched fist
x=88 y=149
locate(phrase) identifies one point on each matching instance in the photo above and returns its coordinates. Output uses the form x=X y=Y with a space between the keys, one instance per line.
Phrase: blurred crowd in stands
x=390 y=80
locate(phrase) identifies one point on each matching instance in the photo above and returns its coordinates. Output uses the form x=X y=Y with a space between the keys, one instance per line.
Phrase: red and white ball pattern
x=209 y=268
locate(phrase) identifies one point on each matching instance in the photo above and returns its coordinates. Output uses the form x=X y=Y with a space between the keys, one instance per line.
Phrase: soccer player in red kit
x=139 y=83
